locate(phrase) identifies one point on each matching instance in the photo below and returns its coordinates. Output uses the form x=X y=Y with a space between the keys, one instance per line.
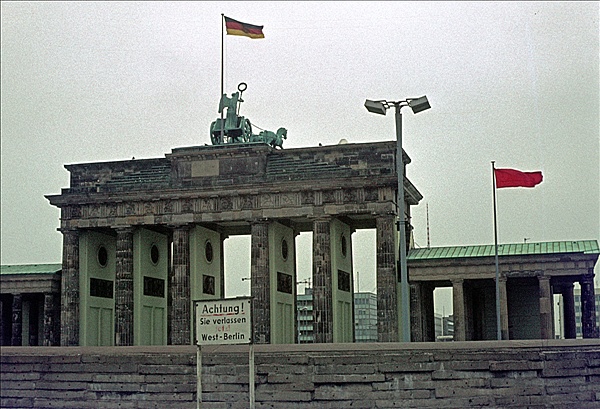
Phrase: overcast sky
x=511 y=82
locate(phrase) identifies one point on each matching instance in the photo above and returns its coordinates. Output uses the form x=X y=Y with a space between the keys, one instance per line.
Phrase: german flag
x=237 y=28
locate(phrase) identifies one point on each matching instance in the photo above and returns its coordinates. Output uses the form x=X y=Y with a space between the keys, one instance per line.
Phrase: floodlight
x=419 y=104
x=376 y=107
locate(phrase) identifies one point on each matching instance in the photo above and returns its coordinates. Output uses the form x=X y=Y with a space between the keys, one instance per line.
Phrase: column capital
x=258 y=221
x=67 y=230
x=586 y=279
x=123 y=229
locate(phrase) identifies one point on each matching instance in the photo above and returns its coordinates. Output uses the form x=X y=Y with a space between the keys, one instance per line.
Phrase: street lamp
x=380 y=107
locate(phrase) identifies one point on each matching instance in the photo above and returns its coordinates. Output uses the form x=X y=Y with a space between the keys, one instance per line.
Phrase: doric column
x=180 y=314
x=17 y=320
x=428 y=310
x=260 y=282
x=417 y=332
x=322 y=282
x=51 y=320
x=124 y=288
x=568 y=304
x=504 y=333
x=546 y=324
x=69 y=321
x=387 y=278
x=458 y=308
x=588 y=306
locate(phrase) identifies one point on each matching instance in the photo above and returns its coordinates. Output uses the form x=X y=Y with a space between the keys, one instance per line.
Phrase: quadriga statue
x=237 y=129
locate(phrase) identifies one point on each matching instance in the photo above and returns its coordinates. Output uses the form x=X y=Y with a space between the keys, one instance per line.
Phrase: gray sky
x=514 y=82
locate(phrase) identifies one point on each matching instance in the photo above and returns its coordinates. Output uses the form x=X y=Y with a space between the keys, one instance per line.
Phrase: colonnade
x=273 y=280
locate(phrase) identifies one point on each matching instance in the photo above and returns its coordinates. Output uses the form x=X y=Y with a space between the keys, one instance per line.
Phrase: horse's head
x=282 y=132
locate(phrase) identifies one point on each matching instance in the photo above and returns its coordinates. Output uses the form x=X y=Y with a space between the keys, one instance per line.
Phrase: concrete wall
x=508 y=374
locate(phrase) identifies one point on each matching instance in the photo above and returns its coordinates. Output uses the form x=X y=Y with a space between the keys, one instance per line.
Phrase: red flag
x=516 y=178
x=237 y=28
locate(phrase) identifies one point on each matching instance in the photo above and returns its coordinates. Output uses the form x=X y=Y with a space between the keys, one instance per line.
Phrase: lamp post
x=380 y=107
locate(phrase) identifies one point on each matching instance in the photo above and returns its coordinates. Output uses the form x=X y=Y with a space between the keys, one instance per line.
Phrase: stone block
x=410 y=367
x=435 y=375
x=341 y=392
x=294 y=386
x=520 y=365
x=68 y=385
x=348 y=378
x=287 y=378
x=115 y=387
x=66 y=377
x=119 y=378
x=345 y=369
x=284 y=396
x=5 y=384
x=17 y=403
x=166 y=369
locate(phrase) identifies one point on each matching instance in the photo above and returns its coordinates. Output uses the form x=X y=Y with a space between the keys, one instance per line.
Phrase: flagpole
x=222 y=75
x=498 y=321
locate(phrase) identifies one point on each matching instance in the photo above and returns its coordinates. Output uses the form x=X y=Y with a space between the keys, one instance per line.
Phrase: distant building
x=578 y=310
x=365 y=317
x=304 y=306
x=30 y=305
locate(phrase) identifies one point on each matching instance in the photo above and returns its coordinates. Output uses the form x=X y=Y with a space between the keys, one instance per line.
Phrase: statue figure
x=234 y=128
x=273 y=139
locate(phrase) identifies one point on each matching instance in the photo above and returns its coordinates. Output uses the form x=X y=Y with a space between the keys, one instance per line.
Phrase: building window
x=102 y=256
x=208 y=284
x=284 y=283
x=154 y=254
x=154 y=287
x=101 y=288
x=344 y=245
x=284 y=249
x=208 y=251
x=343 y=281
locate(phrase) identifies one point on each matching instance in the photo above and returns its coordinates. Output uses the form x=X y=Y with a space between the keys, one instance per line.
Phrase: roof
x=516 y=249
x=31 y=269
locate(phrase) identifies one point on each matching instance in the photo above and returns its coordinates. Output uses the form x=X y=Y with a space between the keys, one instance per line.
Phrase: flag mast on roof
x=507 y=178
x=236 y=28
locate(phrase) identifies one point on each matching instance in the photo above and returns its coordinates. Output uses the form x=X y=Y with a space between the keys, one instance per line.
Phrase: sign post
x=223 y=322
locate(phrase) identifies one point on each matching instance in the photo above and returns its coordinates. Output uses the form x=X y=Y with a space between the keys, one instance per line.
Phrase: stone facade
x=231 y=190
x=529 y=277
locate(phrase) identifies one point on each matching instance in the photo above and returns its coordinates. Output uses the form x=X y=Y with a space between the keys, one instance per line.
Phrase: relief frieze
x=288 y=199
x=187 y=206
x=248 y=202
x=307 y=197
x=225 y=203
x=278 y=200
x=268 y=200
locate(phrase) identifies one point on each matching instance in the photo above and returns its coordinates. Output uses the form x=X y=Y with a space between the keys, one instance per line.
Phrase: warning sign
x=224 y=321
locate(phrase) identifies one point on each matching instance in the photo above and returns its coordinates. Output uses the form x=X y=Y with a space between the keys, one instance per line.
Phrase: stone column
x=458 y=307
x=322 y=282
x=568 y=317
x=260 y=282
x=124 y=288
x=69 y=321
x=546 y=319
x=180 y=314
x=504 y=332
x=387 y=278
x=588 y=306
x=428 y=312
x=51 y=320
x=17 y=321
x=417 y=332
